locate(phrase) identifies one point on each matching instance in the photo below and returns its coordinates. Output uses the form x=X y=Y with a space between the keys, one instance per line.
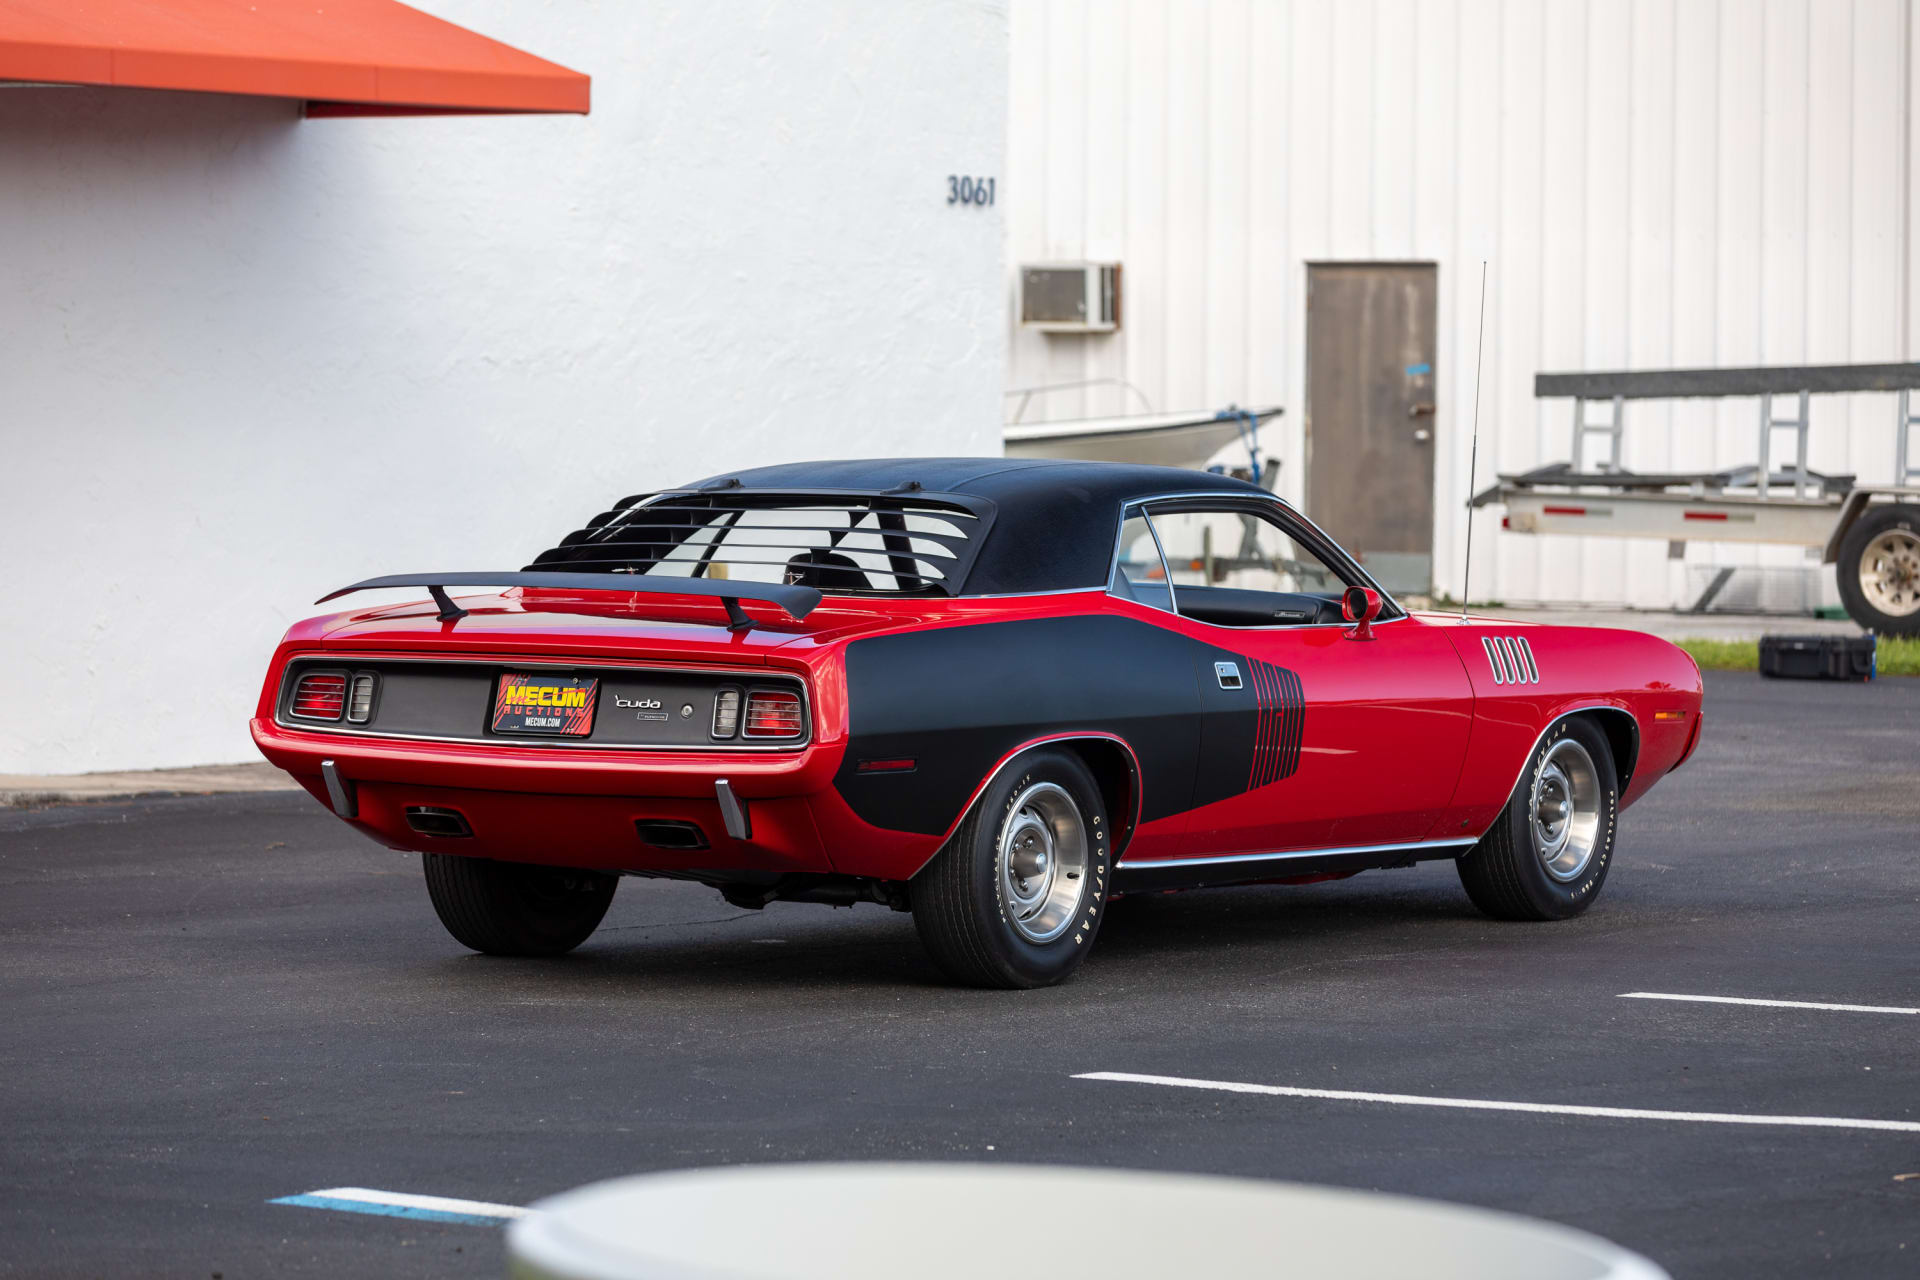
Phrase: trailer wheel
x=1879 y=570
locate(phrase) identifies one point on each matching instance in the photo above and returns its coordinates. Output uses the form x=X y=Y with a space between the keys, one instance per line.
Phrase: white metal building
x=247 y=357
x=1657 y=183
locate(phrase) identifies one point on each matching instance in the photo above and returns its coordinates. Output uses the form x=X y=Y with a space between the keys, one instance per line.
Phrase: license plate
x=558 y=706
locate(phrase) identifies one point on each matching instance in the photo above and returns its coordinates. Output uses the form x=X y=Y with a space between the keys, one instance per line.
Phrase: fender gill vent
x=1511 y=659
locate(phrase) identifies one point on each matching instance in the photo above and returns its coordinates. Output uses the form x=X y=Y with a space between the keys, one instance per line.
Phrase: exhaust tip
x=429 y=820
x=663 y=833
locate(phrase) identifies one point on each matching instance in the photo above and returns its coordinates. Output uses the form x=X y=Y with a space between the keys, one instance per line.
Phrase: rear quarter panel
x=959 y=699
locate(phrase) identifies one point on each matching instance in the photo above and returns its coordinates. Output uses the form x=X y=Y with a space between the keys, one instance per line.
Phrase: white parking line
x=1770 y=1004
x=1489 y=1104
x=402 y=1204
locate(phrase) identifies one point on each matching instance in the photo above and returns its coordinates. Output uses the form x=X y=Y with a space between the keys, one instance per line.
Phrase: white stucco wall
x=246 y=357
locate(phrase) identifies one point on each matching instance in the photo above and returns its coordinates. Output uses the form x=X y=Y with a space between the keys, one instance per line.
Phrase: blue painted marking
x=1415 y=370
x=390 y=1210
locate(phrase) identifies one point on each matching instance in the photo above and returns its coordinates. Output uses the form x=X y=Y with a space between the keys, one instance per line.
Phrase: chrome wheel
x=1890 y=573
x=1566 y=810
x=1043 y=861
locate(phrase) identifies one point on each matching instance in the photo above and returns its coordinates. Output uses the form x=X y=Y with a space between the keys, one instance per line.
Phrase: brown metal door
x=1370 y=414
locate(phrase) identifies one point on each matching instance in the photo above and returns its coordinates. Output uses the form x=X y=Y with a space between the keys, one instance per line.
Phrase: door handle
x=1425 y=409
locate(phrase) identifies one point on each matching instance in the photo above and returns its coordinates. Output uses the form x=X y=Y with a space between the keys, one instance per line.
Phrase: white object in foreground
x=966 y=1221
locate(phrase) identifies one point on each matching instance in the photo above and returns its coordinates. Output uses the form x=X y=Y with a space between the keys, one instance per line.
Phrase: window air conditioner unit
x=1070 y=297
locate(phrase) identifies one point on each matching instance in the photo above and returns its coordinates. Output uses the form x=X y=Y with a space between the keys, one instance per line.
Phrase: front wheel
x=516 y=908
x=1015 y=898
x=1878 y=571
x=1547 y=854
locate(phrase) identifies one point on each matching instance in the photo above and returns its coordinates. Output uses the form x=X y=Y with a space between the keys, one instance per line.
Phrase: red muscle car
x=994 y=693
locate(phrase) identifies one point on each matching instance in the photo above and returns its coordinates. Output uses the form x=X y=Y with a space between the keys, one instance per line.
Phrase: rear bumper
x=548 y=770
x=569 y=808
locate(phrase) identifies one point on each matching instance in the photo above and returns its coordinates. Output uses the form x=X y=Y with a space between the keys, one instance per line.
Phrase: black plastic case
x=1817 y=657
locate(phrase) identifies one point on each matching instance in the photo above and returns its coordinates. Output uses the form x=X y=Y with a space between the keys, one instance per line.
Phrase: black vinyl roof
x=1054 y=521
x=1000 y=480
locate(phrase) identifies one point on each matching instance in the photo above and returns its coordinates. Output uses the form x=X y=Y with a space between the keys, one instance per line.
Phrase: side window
x=1139 y=574
x=1217 y=557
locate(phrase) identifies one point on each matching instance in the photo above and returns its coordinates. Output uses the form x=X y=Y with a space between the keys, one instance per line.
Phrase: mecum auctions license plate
x=560 y=706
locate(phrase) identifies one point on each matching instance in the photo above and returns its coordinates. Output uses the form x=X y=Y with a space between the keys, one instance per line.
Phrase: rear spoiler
x=796 y=600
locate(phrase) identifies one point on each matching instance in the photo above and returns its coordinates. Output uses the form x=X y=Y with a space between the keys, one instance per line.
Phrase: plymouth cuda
x=997 y=694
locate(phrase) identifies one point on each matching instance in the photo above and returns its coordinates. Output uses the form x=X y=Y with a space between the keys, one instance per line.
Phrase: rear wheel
x=1015 y=898
x=1878 y=571
x=516 y=908
x=1547 y=854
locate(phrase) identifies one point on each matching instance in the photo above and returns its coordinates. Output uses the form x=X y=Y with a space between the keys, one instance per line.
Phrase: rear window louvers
x=841 y=543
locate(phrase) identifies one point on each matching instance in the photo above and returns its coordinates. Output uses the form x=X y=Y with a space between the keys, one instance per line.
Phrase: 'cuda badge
x=645 y=704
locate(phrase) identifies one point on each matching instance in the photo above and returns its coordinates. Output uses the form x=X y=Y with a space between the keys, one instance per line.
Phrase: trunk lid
x=559 y=624
x=553 y=624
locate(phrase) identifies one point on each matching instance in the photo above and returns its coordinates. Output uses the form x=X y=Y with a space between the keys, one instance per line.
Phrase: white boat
x=1166 y=439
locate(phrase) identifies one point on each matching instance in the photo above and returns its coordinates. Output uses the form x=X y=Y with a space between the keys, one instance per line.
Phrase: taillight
x=320 y=696
x=726 y=713
x=773 y=715
x=360 y=705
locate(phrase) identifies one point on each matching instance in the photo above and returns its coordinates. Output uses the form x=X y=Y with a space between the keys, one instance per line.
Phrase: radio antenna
x=1473 y=458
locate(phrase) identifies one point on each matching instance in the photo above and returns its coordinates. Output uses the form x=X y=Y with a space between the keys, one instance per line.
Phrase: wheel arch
x=1616 y=725
x=1622 y=733
x=1107 y=756
x=1112 y=764
x=1856 y=506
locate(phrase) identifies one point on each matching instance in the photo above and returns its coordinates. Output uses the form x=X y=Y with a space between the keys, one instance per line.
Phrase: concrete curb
x=26 y=790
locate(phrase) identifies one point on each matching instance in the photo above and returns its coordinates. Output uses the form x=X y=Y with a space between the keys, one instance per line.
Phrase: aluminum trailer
x=1870 y=533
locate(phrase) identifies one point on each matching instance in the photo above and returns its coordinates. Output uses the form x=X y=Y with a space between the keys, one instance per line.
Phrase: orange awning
x=344 y=57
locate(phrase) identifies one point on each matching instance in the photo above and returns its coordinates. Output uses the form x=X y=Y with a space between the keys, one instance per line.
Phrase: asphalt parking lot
x=213 y=1003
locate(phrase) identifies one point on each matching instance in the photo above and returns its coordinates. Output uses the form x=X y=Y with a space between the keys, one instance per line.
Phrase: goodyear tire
x=1878 y=570
x=1547 y=854
x=515 y=908
x=1015 y=898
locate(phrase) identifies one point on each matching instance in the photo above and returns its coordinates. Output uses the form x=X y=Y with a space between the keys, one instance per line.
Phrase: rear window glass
x=841 y=544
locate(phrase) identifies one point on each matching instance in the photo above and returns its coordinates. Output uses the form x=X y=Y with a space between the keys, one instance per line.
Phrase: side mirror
x=1360 y=606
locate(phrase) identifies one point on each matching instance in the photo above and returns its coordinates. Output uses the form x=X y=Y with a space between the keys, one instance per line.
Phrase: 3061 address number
x=975 y=191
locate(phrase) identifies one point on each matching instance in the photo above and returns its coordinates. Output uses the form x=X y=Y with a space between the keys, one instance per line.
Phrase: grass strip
x=1894 y=655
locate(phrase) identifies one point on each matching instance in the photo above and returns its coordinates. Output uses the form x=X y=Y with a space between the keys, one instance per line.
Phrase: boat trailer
x=1871 y=532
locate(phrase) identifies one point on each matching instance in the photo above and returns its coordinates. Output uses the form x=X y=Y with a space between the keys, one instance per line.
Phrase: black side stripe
x=1275 y=731
x=1294 y=718
x=1259 y=721
x=1280 y=721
